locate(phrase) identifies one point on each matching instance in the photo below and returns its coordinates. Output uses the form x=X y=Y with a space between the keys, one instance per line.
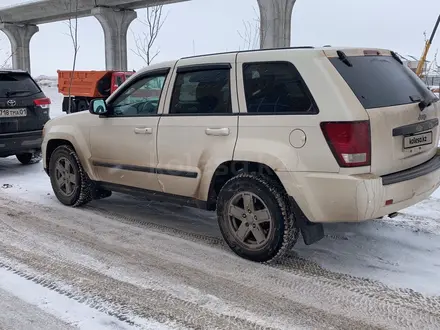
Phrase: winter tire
x=70 y=182
x=255 y=218
x=82 y=105
x=29 y=157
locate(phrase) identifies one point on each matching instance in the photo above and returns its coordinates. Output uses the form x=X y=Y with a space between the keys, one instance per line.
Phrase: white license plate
x=7 y=113
x=417 y=140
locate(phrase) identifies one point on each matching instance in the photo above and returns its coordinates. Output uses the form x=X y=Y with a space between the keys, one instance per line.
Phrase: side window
x=275 y=87
x=141 y=98
x=202 y=92
x=119 y=81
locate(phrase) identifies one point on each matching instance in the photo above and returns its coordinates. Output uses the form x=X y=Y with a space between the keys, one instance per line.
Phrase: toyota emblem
x=11 y=103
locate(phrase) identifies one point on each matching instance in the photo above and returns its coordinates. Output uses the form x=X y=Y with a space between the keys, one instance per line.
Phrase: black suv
x=24 y=109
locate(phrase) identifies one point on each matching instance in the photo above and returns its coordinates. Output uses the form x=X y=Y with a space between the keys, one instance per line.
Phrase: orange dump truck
x=88 y=85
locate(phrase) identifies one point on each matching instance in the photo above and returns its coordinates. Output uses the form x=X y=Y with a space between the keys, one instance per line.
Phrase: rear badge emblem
x=11 y=103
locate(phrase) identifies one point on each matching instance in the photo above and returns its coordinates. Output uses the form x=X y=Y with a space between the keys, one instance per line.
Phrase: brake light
x=43 y=103
x=350 y=142
x=369 y=52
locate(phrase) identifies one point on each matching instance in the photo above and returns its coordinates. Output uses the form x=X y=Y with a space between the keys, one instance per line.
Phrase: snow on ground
x=126 y=262
x=56 y=98
x=55 y=307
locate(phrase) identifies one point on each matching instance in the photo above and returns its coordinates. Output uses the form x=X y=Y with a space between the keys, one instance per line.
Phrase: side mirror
x=98 y=107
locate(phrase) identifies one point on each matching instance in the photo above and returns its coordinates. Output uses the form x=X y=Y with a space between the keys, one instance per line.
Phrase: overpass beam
x=275 y=23
x=20 y=36
x=115 y=24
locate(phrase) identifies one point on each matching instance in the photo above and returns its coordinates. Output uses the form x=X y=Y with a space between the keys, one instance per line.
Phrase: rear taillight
x=349 y=141
x=42 y=103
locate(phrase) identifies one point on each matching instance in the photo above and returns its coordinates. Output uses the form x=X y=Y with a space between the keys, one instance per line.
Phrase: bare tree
x=72 y=25
x=7 y=62
x=152 y=23
x=252 y=34
x=432 y=66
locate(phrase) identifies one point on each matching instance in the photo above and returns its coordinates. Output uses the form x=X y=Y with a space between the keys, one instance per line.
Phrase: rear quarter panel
x=267 y=138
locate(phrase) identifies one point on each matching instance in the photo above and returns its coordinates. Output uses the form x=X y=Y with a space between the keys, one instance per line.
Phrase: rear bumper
x=16 y=143
x=327 y=197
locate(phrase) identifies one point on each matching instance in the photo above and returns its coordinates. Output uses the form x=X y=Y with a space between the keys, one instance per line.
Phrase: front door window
x=140 y=99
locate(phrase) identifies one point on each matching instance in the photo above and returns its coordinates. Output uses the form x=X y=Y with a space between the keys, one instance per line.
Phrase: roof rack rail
x=247 y=51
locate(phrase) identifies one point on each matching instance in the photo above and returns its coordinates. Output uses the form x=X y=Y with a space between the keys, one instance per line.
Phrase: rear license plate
x=8 y=113
x=417 y=140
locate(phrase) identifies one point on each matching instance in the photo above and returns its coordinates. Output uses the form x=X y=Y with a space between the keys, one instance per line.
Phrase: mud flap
x=310 y=231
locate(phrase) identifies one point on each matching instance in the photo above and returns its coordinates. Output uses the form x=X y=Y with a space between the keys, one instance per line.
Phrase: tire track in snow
x=44 y=297
x=416 y=223
x=296 y=265
x=355 y=290
x=312 y=317
x=97 y=291
x=393 y=298
x=292 y=263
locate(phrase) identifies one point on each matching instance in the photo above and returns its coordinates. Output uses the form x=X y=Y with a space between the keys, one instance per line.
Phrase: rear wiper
x=423 y=104
x=16 y=92
x=344 y=58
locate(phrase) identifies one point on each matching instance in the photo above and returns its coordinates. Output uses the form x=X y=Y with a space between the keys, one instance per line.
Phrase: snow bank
x=46 y=81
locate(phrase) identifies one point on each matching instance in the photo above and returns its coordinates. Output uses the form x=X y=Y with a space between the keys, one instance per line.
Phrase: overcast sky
x=207 y=26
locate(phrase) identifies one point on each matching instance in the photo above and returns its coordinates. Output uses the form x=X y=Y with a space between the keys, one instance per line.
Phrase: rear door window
x=276 y=88
x=16 y=84
x=202 y=92
x=381 y=81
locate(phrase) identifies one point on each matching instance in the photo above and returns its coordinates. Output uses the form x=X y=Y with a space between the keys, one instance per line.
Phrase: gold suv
x=277 y=142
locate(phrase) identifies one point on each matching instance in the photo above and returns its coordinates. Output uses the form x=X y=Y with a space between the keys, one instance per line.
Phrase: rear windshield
x=381 y=81
x=13 y=84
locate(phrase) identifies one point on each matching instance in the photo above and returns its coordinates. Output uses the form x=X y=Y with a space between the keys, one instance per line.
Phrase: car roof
x=327 y=49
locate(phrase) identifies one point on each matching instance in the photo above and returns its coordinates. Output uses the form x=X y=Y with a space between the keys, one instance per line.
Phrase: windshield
x=381 y=81
x=17 y=84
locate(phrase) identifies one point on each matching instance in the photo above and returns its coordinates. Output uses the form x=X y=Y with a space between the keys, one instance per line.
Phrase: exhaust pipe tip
x=393 y=215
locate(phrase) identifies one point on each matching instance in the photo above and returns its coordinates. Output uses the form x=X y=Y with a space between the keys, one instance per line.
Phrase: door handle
x=217 y=131
x=143 y=130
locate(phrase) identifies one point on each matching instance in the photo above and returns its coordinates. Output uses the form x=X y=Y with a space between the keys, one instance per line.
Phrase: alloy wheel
x=250 y=220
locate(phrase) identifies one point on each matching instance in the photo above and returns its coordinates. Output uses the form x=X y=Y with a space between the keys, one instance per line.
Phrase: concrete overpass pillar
x=275 y=23
x=20 y=36
x=115 y=24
